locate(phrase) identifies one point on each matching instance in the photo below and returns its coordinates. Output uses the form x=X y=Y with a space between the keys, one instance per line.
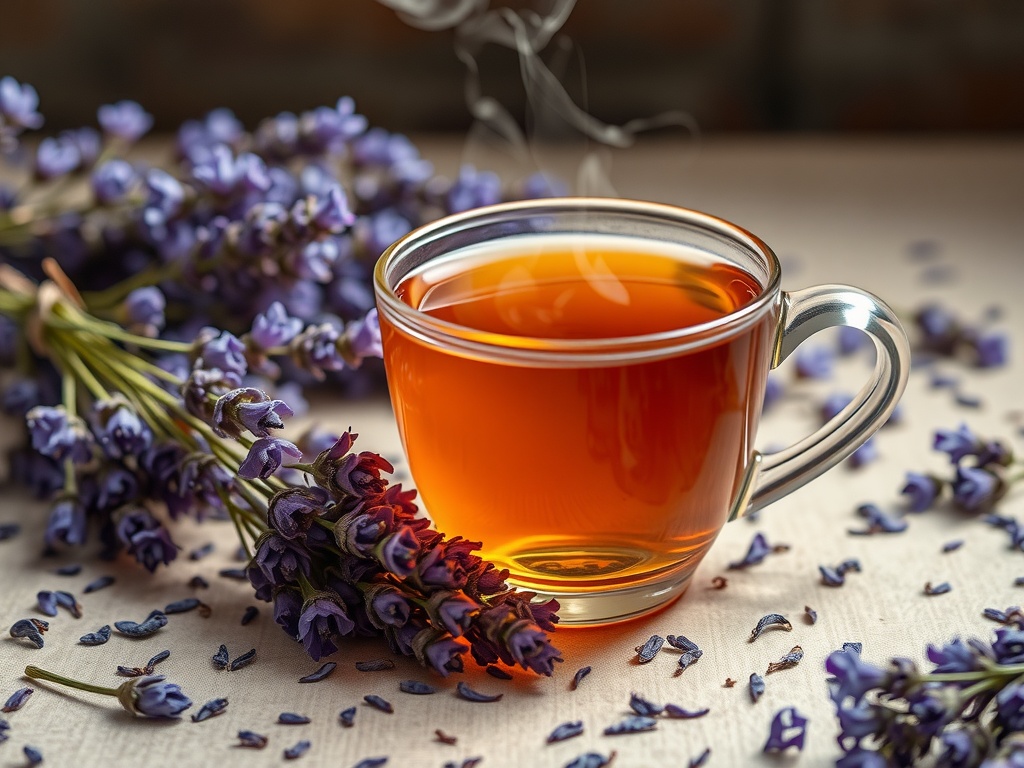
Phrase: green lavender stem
x=41 y=674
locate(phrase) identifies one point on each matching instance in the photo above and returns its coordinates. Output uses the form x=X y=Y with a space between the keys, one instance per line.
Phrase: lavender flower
x=119 y=430
x=274 y=327
x=224 y=174
x=144 y=310
x=277 y=563
x=125 y=120
x=265 y=457
x=112 y=182
x=814 y=362
x=788 y=729
x=976 y=489
x=56 y=434
x=292 y=512
x=152 y=697
x=220 y=351
x=145 y=538
x=958 y=444
x=248 y=409
x=18 y=104
x=364 y=336
x=322 y=623
x=56 y=156
x=67 y=523
x=991 y=349
x=473 y=189
x=921 y=491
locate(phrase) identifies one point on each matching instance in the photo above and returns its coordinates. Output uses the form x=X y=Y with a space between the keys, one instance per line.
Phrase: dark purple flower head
x=152 y=697
x=287 y=610
x=992 y=349
x=322 y=623
x=1010 y=708
x=56 y=156
x=196 y=138
x=858 y=720
x=21 y=396
x=1008 y=647
x=203 y=382
x=316 y=349
x=378 y=230
x=773 y=391
x=112 y=181
x=277 y=562
x=145 y=538
x=961 y=747
x=473 y=189
x=451 y=611
x=331 y=212
x=939 y=328
x=364 y=336
x=165 y=195
x=88 y=142
x=222 y=351
x=933 y=708
x=788 y=729
x=443 y=653
x=530 y=647
x=398 y=551
x=340 y=471
x=976 y=489
x=19 y=104
x=358 y=533
x=144 y=310
x=115 y=486
x=958 y=444
x=274 y=327
x=851 y=340
x=126 y=120
x=224 y=174
x=265 y=457
x=118 y=428
x=293 y=511
x=854 y=677
x=59 y=436
x=442 y=567
x=865 y=454
x=386 y=606
x=248 y=408
x=995 y=452
x=921 y=491
x=67 y=524
x=542 y=185
x=314 y=260
x=955 y=656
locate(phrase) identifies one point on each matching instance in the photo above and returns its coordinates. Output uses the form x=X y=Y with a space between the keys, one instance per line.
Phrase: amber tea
x=595 y=472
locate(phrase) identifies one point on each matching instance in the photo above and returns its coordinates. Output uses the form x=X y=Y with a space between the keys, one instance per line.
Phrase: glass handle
x=804 y=313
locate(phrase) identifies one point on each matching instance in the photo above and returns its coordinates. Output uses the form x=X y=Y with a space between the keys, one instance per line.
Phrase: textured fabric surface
x=835 y=212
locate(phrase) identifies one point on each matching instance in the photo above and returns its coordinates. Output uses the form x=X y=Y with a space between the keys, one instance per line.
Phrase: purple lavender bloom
x=958 y=444
x=931 y=711
x=19 y=104
x=1010 y=708
x=857 y=720
x=939 y=328
x=380 y=229
x=274 y=327
x=283 y=189
x=854 y=677
x=145 y=538
x=265 y=457
x=387 y=606
x=1008 y=647
x=398 y=551
x=59 y=436
x=248 y=408
x=322 y=623
x=960 y=750
x=21 y=396
x=126 y=120
x=992 y=349
x=115 y=487
x=352 y=123
x=758 y=550
x=445 y=655
x=287 y=610
x=119 y=430
x=165 y=195
x=88 y=142
x=112 y=181
x=223 y=352
x=197 y=138
x=56 y=156
x=277 y=562
x=313 y=260
x=224 y=174
x=879 y=521
x=453 y=611
x=144 y=309
x=292 y=512
x=152 y=697
x=260 y=230
x=332 y=213
x=975 y=489
x=278 y=136
x=814 y=361
x=473 y=189
x=833 y=404
x=66 y=524
x=364 y=336
x=788 y=729
x=530 y=647
x=317 y=349
x=955 y=656
x=921 y=491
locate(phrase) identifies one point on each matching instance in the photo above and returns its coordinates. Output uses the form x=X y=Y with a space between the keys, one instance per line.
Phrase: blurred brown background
x=735 y=65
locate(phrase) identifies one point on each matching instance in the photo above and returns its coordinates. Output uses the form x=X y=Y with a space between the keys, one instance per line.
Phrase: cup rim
x=525 y=349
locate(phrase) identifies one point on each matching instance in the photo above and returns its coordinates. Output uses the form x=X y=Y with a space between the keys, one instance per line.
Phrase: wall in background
x=735 y=65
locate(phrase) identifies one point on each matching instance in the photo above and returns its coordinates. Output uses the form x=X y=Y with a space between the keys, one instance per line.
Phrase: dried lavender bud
x=9 y=531
x=788 y=729
x=758 y=550
x=99 y=637
x=251 y=739
x=830 y=577
x=250 y=613
x=297 y=750
x=643 y=707
x=719 y=582
x=244 y=660
x=1019 y=581
x=591 y=760
x=321 y=674
x=967 y=400
x=580 y=674
x=995 y=614
x=181 y=606
x=700 y=759
x=200 y=552
x=768 y=622
x=220 y=658
x=855 y=647
x=729 y=683
x=375 y=665
x=68 y=601
x=26 y=629
x=17 y=700
x=416 y=687
x=71 y=569
x=848 y=565
x=467 y=693
x=290 y=718
x=162 y=656
x=156 y=620
x=32 y=754
x=40 y=625
x=97 y=584
x=237 y=574
x=347 y=717
x=647 y=651
x=678 y=713
x=810 y=614
x=498 y=672
x=130 y=671
x=878 y=521
x=756 y=686
x=47 y=602
x=687 y=658
x=210 y=709
x=791 y=659
x=565 y=731
x=632 y=724
x=469 y=762
x=198 y=582
x=938 y=589
x=952 y=546
x=444 y=738
x=682 y=643
x=377 y=702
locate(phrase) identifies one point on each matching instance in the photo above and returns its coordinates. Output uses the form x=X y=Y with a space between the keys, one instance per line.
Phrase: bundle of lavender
x=151 y=318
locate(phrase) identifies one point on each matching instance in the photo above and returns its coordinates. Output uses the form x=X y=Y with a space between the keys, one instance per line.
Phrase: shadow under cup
x=578 y=384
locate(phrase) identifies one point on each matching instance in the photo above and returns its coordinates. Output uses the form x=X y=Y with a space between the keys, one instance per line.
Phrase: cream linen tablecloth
x=835 y=211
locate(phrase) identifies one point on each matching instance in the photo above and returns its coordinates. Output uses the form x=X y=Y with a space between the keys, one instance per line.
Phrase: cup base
x=610 y=606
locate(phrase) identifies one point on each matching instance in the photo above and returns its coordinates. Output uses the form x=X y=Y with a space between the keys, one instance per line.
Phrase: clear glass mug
x=598 y=456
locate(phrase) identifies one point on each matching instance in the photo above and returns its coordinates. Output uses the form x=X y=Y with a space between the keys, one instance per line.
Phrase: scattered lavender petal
x=756 y=687
x=291 y=718
x=97 y=584
x=162 y=656
x=17 y=700
x=830 y=577
x=182 y=606
x=99 y=637
x=155 y=621
x=220 y=658
x=198 y=582
x=643 y=707
x=678 y=713
x=9 y=531
x=810 y=614
x=647 y=651
x=416 y=687
x=244 y=660
x=445 y=738
x=791 y=659
x=770 y=621
x=210 y=709
x=498 y=672
x=855 y=647
x=71 y=569
x=32 y=754
x=938 y=589
x=200 y=552
x=47 y=602
x=700 y=759
x=375 y=665
x=966 y=400
x=297 y=750
x=321 y=674
x=952 y=546
x=632 y=724
x=251 y=612
x=251 y=739
x=467 y=693
x=682 y=643
x=788 y=729
x=584 y=671
x=377 y=702
x=233 y=573
x=565 y=731
x=591 y=760
x=27 y=629
x=758 y=550
x=371 y=762
x=347 y=717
